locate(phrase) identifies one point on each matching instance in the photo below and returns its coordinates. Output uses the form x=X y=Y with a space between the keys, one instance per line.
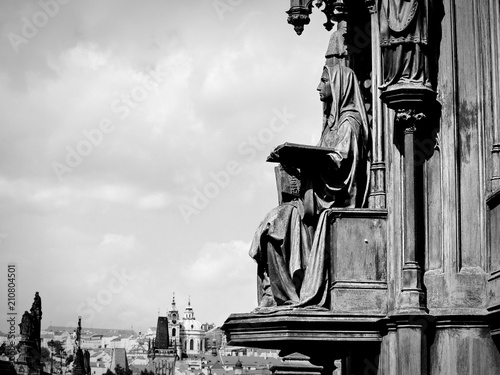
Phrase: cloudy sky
x=133 y=144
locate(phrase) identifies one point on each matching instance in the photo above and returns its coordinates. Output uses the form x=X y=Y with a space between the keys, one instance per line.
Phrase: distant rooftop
x=161 y=341
x=95 y=331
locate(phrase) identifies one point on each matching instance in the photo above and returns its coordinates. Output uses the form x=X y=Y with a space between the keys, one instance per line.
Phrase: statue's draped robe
x=290 y=252
x=403 y=38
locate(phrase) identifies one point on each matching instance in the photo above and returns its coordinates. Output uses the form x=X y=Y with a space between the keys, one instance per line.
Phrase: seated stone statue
x=290 y=244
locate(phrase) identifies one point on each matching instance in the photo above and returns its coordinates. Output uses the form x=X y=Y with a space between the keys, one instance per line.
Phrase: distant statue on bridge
x=290 y=244
x=31 y=322
x=26 y=327
x=30 y=344
x=36 y=318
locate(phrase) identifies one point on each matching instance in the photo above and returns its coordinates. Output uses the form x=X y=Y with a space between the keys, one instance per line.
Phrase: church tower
x=161 y=355
x=174 y=328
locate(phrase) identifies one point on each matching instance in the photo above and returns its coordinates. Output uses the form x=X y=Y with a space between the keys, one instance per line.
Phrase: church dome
x=191 y=325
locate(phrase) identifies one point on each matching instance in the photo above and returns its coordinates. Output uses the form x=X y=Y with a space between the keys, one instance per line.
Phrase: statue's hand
x=333 y=160
x=273 y=156
x=291 y=170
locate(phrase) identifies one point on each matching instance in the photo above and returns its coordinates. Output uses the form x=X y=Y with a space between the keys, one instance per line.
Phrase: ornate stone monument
x=79 y=367
x=383 y=252
x=28 y=361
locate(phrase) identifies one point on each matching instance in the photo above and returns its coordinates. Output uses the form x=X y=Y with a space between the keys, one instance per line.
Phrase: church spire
x=173 y=314
x=173 y=303
x=189 y=313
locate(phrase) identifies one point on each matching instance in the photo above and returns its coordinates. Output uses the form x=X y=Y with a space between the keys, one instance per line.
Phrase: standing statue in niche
x=290 y=245
x=404 y=28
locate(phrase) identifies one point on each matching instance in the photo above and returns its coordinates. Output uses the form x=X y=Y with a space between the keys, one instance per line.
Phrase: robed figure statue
x=290 y=245
x=404 y=26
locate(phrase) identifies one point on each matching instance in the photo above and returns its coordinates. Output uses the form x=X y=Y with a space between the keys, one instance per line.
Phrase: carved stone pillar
x=412 y=296
x=377 y=197
x=405 y=344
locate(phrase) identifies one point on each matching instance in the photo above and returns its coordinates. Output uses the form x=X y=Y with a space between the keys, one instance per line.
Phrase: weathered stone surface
x=358 y=261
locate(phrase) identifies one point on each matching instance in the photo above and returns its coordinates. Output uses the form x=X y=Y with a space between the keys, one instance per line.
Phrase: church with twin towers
x=185 y=334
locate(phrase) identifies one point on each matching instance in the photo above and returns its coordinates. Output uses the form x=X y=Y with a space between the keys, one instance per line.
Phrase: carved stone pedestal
x=28 y=361
x=320 y=337
x=25 y=368
x=7 y=368
x=407 y=96
x=78 y=364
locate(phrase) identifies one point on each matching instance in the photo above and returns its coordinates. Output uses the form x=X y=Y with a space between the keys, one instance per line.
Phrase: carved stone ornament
x=409 y=118
x=299 y=12
x=335 y=11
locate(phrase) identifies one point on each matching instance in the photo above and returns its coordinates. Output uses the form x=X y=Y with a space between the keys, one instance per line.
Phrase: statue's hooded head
x=339 y=90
